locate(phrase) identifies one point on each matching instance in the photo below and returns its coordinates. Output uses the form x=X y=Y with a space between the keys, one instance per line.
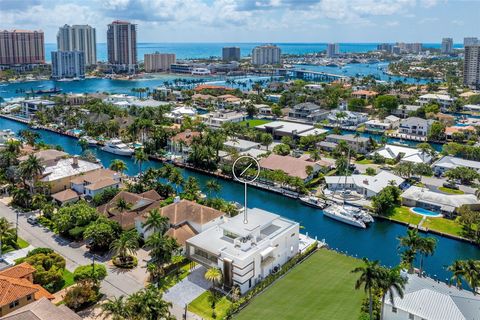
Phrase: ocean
x=206 y=50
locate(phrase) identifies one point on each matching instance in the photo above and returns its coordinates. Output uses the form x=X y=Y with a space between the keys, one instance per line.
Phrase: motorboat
x=91 y=142
x=313 y=202
x=359 y=212
x=340 y=213
x=116 y=146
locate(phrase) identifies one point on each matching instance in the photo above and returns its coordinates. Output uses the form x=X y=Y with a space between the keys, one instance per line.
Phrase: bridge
x=303 y=74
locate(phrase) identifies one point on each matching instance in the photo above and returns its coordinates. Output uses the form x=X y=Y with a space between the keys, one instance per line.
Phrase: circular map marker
x=246 y=169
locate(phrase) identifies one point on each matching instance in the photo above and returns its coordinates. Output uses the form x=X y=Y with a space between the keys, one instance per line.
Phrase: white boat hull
x=341 y=218
x=118 y=151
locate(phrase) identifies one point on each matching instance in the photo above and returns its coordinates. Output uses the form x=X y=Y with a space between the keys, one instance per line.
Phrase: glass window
x=394 y=310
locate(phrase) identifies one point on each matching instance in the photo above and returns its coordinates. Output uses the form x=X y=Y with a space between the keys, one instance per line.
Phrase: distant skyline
x=359 y=21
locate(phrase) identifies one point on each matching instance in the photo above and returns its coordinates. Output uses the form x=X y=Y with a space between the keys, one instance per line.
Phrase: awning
x=267 y=251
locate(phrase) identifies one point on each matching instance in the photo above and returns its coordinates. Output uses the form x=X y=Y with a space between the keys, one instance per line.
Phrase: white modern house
x=31 y=106
x=280 y=129
x=392 y=151
x=405 y=109
x=364 y=185
x=349 y=118
x=179 y=113
x=216 y=119
x=443 y=100
x=389 y=123
x=241 y=145
x=446 y=204
x=427 y=299
x=415 y=126
x=246 y=252
x=449 y=162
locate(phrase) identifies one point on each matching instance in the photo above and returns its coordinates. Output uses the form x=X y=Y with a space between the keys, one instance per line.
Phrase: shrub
x=82 y=295
x=104 y=196
x=39 y=250
x=86 y=272
x=76 y=233
x=101 y=232
x=49 y=270
x=78 y=214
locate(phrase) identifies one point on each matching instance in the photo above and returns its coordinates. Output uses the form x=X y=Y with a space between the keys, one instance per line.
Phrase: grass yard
x=175 y=277
x=68 y=278
x=201 y=306
x=254 y=122
x=450 y=191
x=403 y=214
x=365 y=161
x=21 y=244
x=443 y=225
x=322 y=287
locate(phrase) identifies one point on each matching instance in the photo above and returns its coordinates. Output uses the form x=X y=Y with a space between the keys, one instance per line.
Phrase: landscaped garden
x=450 y=190
x=321 y=287
x=202 y=306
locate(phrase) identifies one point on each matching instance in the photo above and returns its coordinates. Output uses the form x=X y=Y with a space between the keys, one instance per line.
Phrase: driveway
x=115 y=284
x=435 y=182
x=189 y=288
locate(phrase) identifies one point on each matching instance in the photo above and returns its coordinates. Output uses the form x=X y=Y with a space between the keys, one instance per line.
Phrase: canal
x=377 y=242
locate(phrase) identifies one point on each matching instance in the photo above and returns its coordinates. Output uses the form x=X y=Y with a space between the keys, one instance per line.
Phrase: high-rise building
x=471 y=67
x=333 y=49
x=267 y=54
x=447 y=45
x=413 y=47
x=231 y=54
x=22 y=47
x=68 y=64
x=122 y=46
x=470 y=41
x=78 y=38
x=388 y=47
x=158 y=61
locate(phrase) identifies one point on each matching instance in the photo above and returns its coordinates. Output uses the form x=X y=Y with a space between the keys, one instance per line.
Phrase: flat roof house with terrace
x=427 y=299
x=31 y=106
x=389 y=123
x=401 y=153
x=279 y=129
x=357 y=144
x=18 y=289
x=415 y=126
x=443 y=100
x=246 y=252
x=449 y=162
x=349 y=119
x=241 y=145
x=186 y=218
x=294 y=167
x=446 y=204
x=216 y=119
x=308 y=112
x=364 y=185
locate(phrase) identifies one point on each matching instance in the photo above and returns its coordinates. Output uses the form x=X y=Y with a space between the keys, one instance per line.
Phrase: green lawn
x=254 y=122
x=403 y=214
x=365 y=161
x=443 y=225
x=322 y=287
x=21 y=244
x=68 y=278
x=174 y=278
x=201 y=306
x=450 y=191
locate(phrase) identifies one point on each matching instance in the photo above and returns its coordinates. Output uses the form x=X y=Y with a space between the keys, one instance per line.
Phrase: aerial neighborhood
x=249 y=183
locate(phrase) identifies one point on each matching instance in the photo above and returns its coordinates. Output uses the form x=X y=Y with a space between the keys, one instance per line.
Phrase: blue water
x=207 y=50
x=377 y=242
x=425 y=212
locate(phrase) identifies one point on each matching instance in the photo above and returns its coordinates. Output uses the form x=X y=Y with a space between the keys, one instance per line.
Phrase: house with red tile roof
x=294 y=167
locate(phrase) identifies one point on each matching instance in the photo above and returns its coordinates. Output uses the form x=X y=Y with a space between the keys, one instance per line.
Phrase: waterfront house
x=415 y=126
x=471 y=107
x=93 y=183
x=186 y=219
x=42 y=309
x=308 y=112
x=467 y=131
x=241 y=145
x=18 y=289
x=294 y=167
x=444 y=118
x=449 y=162
x=364 y=94
x=216 y=119
x=404 y=110
x=263 y=110
x=246 y=251
x=179 y=144
x=428 y=299
x=31 y=106
x=358 y=144
x=389 y=123
x=364 y=185
x=273 y=97
x=443 y=100
x=348 y=118
x=401 y=153
x=279 y=129
x=179 y=113
x=446 y=204
x=140 y=204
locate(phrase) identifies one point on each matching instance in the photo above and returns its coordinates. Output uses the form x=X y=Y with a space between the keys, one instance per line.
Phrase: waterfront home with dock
x=31 y=106
x=389 y=123
x=443 y=100
x=279 y=129
x=246 y=251
x=294 y=167
x=309 y=112
x=217 y=118
x=415 y=126
x=401 y=153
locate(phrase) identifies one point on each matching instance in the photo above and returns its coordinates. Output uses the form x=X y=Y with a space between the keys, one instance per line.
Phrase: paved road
x=115 y=284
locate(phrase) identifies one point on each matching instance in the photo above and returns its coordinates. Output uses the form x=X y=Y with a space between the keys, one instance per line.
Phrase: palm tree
x=391 y=282
x=115 y=309
x=472 y=273
x=213 y=187
x=140 y=156
x=118 y=165
x=214 y=275
x=370 y=277
x=426 y=248
x=162 y=248
x=122 y=205
x=30 y=169
x=126 y=245
x=412 y=242
x=5 y=230
x=458 y=270
x=148 y=304
x=156 y=222
x=176 y=178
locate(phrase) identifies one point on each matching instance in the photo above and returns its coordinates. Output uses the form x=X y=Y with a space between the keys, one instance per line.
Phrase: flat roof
x=286 y=127
x=240 y=143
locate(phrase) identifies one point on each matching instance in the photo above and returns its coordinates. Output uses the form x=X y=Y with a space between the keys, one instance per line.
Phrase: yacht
x=313 y=202
x=340 y=213
x=116 y=146
x=91 y=142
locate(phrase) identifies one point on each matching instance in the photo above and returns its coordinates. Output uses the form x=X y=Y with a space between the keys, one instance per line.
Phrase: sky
x=359 y=21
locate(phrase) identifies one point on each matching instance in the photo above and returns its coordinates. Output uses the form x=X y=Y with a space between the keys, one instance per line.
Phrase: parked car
x=450 y=185
x=32 y=220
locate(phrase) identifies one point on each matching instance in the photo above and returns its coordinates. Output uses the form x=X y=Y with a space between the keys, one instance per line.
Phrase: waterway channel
x=377 y=242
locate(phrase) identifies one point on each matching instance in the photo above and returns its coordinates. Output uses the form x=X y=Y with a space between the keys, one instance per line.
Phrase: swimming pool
x=425 y=212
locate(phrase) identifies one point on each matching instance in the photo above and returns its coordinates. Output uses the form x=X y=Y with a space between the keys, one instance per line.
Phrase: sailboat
x=351 y=215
